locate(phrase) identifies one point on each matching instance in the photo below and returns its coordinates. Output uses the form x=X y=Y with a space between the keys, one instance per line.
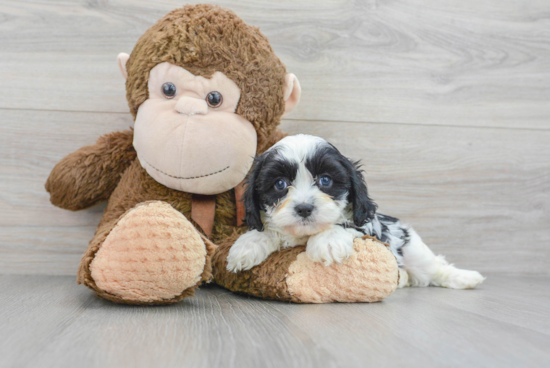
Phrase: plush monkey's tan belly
x=137 y=186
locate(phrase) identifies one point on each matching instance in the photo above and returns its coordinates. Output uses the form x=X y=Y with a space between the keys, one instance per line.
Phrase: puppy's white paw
x=332 y=245
x=403 y=278
x=250 y=250
x=462 y=279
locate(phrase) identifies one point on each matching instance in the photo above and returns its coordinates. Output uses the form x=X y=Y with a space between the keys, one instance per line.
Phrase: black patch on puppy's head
x=260 y=190
x=347 y=178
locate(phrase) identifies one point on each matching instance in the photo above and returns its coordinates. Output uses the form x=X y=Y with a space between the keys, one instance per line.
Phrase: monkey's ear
x=251 y=197
x=122 y=59
x=291 y=92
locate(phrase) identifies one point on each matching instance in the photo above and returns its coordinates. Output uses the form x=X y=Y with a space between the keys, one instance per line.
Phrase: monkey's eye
x=169 y=90
x=325 y=181
x=214 y=99
x=280 y=185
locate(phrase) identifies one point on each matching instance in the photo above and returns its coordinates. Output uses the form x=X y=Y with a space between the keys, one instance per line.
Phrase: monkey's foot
x=152 y=255
x=370 y=274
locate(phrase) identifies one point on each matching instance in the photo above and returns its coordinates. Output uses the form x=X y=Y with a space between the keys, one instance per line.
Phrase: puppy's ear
x=251 y=197
x=364 y=208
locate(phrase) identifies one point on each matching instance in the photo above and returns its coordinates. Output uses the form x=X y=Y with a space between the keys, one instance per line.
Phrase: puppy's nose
x=304 y=209
x=191 y=106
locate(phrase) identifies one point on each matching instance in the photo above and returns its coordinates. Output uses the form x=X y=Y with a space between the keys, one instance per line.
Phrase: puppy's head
x=303 y=185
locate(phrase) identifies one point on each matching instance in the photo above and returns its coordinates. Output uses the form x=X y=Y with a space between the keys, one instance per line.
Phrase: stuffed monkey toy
x=207 y=93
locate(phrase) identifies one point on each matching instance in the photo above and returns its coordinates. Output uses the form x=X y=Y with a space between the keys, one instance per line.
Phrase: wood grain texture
x=467 y=63
x=49 y=321
x=478 y=195
x=35 y=236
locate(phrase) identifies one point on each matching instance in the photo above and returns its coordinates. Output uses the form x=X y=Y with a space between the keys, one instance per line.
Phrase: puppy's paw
x=403 y=279
x=447 y=275
x=249 y=250
x=463 y=279
x=332 y=245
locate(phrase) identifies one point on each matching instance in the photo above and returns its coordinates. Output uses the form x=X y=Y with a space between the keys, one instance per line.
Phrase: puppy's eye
x=169 y=90
x=325 y=181
x=280 y=185
x=214 y=99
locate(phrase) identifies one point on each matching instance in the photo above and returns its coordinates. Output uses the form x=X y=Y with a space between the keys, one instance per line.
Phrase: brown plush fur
x=92 y=173
x=369 y=275
x=204 y=39
x=135 y=187
x=267 y=280
x=110 y=169
x=84 y=276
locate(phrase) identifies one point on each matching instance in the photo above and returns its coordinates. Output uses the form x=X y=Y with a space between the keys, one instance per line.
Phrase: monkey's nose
x=304 y=210
x=191 y=106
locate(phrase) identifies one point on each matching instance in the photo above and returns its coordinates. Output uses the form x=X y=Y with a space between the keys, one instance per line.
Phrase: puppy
x=303 y=191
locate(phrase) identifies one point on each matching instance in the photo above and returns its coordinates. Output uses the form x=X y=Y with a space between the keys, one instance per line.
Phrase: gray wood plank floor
x=49 y=321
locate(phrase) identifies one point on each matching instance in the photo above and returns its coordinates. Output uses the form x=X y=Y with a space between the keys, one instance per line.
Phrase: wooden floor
x=49 y=321
x=446 y=104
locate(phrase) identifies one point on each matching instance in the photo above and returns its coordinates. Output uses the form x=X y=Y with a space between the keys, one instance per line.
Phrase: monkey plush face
x=178 y=128
x=207 y=93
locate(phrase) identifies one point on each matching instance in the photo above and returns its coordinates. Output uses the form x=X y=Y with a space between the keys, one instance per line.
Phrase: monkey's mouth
x=188 y=177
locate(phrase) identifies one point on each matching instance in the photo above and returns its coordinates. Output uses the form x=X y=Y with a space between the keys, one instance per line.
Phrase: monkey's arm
x=89 y=175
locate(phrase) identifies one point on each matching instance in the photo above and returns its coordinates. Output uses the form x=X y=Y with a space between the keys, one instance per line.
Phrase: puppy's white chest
x=292 y=241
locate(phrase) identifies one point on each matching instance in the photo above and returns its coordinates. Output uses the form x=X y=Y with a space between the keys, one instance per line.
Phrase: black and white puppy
x=303 y=191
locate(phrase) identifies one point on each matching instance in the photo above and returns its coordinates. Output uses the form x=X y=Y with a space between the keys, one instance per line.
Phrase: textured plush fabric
x=267 y=280
x=136 y=187
x=92 y=173
x=186 y=151
x=369 y=275
x=203 y=39
x=147 y=252
x=152 y=254
x=291 y=93
x=224 y=43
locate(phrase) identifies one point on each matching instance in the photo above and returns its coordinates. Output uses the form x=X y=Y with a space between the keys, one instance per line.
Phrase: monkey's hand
x=250 y=250
x=332 y=245
x=89 y=175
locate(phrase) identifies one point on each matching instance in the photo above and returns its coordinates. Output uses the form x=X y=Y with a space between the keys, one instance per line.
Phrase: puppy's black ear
x=251 y=197
x=364 y=208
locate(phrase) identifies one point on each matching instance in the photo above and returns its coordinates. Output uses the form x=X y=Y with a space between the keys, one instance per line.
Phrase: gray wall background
x=446 y=102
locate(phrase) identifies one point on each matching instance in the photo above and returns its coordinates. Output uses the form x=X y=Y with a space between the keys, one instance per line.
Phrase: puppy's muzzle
x=304 y=210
